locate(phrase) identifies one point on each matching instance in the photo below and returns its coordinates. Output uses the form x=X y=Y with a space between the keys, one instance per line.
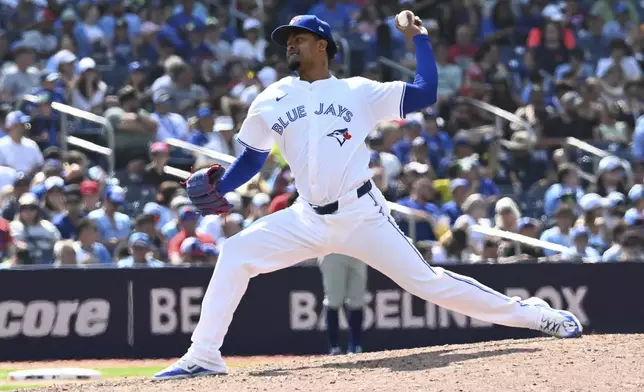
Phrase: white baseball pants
x=361 y=228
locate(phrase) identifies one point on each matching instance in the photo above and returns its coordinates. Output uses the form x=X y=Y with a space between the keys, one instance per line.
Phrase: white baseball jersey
x=320 y=128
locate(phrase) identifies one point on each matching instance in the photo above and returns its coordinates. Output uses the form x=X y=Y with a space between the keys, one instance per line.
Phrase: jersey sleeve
x=385 y=99
x=254 y=133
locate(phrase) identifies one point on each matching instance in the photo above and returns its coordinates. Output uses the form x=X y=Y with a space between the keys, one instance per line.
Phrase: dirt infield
x=594 y=363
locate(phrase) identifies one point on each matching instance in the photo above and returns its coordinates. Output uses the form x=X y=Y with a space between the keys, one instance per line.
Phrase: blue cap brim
x=280 y=35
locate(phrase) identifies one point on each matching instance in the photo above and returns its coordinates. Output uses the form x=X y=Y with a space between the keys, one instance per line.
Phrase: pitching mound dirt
x=594 y=363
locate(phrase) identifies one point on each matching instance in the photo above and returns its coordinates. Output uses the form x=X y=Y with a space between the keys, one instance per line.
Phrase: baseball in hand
x=404 y=18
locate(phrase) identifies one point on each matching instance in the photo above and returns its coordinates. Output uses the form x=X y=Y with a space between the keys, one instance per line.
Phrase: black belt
x=331 y=208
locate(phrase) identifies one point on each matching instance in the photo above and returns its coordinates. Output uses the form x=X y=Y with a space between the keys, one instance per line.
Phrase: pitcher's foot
x=554 y=322
x=185 y=368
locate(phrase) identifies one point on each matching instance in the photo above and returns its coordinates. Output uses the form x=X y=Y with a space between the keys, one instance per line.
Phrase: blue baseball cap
x=525 y=221
x=636 y=193
x=204 y=112
x=115 y=195
x=16 y=117
x=210 y=249
x=579 y=231
x=457 y=183
x=305 y=23
x=632 y=217
x=135 y=66
x=187 y=212
x=192 y=245
x=141 y=240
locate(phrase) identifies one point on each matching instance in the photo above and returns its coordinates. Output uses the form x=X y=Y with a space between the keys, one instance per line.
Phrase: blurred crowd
x=188 y=70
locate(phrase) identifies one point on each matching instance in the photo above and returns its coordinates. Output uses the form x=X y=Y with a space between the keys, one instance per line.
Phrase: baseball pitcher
x=320 y=124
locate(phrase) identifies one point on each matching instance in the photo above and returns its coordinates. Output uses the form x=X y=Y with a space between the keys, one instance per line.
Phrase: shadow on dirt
x=411 y=362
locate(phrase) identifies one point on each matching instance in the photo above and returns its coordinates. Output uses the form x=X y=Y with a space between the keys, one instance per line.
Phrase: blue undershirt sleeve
x=424 y=91
x=249 y=163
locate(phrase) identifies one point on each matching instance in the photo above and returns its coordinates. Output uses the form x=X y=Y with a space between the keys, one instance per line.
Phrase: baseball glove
x=202 y=191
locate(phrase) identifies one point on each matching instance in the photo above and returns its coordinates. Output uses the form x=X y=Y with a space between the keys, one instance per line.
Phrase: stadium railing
x=66 y=112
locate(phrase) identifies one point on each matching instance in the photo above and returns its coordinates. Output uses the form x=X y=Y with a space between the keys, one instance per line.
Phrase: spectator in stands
x=134 y=128
x=21 y=79
x=507 y=215
x=618 y=56
x=161 y=207
x=91 y=197
x=10 y=204
x=192 y=251
x=460 y=189
x=551 y=51
x=523 y=166
x=473 y=173
x=614 y=253
x=186 y=96
x=475 y=212
x=67 y=223
x=170 y=125
x=463 y=51
x=113 y=226
x=202 y=127
x=64 y=254
x=87 y=89
x=463 y=148
x=450 y=75
x=45 y=125
x=567 y=185
x=16 y=150
x=421 y=199
x=454 y=245
x=54 y=198
x=252 y=46
x=575 y=70
x=636 y=197
x=560 y=232
x=512 y=251
x=49 y=84
x=6 y=242
x=231 y=225
x=88 y=249
x=619 y=27
x=33 y=234
x=172 y=228
x=336 y=15
x=188 y=217
x=138 y=80
x=593 y=207
x=580 y=251
x=611 y=177
x=122 y=48
x=222 y=140
x=612 y=130
x=154 y=173
x=258 y=208
x=140 y=246
x=146 y=223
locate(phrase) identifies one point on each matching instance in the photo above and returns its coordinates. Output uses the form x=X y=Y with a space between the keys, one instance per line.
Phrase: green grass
x=106 y=373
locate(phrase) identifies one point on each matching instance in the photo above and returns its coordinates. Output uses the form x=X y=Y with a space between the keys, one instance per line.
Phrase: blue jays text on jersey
x=300 y=112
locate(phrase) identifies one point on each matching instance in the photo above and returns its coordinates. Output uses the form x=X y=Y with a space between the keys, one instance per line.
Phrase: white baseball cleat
x=185 y=368
x=554 y=322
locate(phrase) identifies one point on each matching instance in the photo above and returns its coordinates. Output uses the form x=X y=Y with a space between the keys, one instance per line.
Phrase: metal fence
x=71 y=116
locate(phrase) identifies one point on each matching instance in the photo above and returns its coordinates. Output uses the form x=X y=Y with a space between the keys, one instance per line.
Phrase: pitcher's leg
x=276 y=241
x=379 y=243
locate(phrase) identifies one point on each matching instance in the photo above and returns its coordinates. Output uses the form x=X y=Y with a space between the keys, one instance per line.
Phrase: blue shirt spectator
x=140 y=246
x=580 y=250
x=67 y=223
x=336 y=15
x=637 y=148
x=558 y=193
x=460 y=189
x=88 y=250
x=113 y=226
x=422 y=193
x=575 y=69
x=560 y=233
